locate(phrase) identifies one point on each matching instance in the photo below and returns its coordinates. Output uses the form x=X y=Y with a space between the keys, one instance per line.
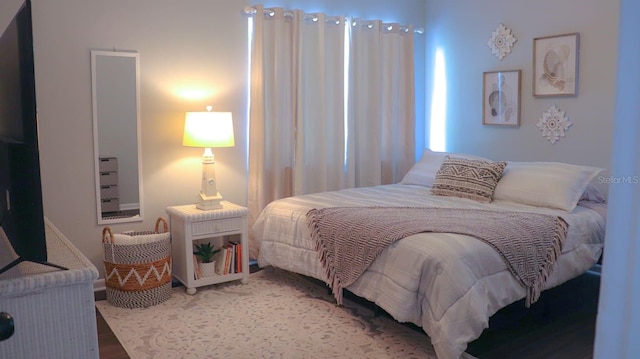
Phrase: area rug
x=276 y=314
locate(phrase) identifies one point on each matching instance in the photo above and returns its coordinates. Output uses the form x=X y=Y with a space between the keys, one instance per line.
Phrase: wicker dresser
x=53 y=310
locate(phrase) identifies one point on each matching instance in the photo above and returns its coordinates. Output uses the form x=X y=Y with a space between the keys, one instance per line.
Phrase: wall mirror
x=116 y=136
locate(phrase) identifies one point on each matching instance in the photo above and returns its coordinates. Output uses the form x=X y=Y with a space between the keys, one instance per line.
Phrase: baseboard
x=99 y=285
x=129 y=206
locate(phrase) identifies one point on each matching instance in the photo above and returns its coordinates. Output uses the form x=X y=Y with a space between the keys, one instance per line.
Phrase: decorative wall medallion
x=553 y=124
x=501 y=41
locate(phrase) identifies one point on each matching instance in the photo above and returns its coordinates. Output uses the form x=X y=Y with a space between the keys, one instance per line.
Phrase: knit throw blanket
x=348 y=239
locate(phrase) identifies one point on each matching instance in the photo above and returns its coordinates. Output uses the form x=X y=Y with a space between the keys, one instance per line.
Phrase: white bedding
x=448 y=284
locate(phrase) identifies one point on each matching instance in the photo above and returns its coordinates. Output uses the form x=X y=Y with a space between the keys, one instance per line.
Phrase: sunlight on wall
x=347 y=54
x=437 y=125
x=190 y=84
x=193 y=93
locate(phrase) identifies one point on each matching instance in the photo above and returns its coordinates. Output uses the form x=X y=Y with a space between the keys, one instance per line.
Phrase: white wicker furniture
x=53 y=309
x=189 y=224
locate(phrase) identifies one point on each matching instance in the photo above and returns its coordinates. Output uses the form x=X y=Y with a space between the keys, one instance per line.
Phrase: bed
x=446 y=283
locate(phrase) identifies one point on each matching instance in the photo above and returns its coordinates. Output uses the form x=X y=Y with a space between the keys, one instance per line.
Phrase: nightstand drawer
x=216 y=226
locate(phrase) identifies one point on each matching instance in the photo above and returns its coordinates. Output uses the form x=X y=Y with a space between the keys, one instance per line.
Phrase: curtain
x=320 y=130
x=300 y=139
x=296 y=119
x=382 y=102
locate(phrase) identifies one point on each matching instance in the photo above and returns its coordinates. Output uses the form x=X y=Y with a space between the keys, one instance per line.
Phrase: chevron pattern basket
x=137 y=266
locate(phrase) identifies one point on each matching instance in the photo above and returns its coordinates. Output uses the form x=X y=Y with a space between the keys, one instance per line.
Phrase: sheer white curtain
x=320 y=142
x=381 y=102
x=271 y=123
x=299 y=139
x=296 y=124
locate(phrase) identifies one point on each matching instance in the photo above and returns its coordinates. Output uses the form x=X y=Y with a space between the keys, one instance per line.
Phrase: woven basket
x=137 y=266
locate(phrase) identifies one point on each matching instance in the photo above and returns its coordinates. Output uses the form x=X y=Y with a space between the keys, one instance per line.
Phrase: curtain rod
x=251 y=11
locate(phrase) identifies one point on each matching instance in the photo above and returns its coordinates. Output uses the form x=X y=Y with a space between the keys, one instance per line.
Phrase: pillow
x=143 y=237
x=424 y=171
x=593 y=194
x=464 y=178
x=544 y=184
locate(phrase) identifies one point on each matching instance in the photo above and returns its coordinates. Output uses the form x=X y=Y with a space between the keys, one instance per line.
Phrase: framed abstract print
x=501 y=98
x=555 y=65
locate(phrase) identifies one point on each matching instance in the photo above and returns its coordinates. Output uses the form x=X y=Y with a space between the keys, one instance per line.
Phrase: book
x=197 y=274
x=227 y=258
x=237 y=255
x=239 y=265
x=220 y=258
x=232 y=264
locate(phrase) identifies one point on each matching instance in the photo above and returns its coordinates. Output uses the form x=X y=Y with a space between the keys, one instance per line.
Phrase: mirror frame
x=136 y=57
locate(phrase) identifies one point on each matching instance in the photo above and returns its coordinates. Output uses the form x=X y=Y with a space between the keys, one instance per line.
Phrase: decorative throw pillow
x=423 y=173
x=473 y=179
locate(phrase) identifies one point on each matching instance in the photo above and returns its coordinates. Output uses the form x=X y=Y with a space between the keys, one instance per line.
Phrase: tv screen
x=21 y=211
x=11 y=104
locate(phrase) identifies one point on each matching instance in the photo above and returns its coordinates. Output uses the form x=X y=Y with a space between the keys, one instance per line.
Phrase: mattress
x=448 y=284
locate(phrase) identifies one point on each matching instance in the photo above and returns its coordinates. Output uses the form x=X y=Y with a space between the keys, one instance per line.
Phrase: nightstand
x=224 y=228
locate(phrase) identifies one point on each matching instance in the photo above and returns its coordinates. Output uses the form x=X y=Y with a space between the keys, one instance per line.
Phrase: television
x=21 y=209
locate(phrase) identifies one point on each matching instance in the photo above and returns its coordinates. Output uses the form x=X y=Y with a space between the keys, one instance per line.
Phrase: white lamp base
x=209 y=197
x=206 y=203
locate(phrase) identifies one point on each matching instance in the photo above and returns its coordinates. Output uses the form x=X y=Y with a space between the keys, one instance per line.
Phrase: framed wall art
x=501 y=98
x=555 y=65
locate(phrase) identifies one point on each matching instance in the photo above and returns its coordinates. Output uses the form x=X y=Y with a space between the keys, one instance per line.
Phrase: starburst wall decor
x=501 y=41
x=554 y=124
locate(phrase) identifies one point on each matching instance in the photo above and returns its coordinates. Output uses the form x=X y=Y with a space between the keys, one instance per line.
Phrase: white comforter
x=448 y=284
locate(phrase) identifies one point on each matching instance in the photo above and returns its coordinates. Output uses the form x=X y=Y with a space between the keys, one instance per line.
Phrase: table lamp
x=208 y=129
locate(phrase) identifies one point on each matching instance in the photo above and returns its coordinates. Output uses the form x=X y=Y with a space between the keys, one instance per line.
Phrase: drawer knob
x=7 y=326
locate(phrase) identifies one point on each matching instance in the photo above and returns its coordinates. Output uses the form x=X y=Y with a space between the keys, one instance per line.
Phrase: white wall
x=463 y=27
x=184 y=46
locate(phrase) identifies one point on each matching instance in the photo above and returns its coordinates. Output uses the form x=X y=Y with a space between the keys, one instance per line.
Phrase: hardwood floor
x=108 y=345
x=561 y=325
